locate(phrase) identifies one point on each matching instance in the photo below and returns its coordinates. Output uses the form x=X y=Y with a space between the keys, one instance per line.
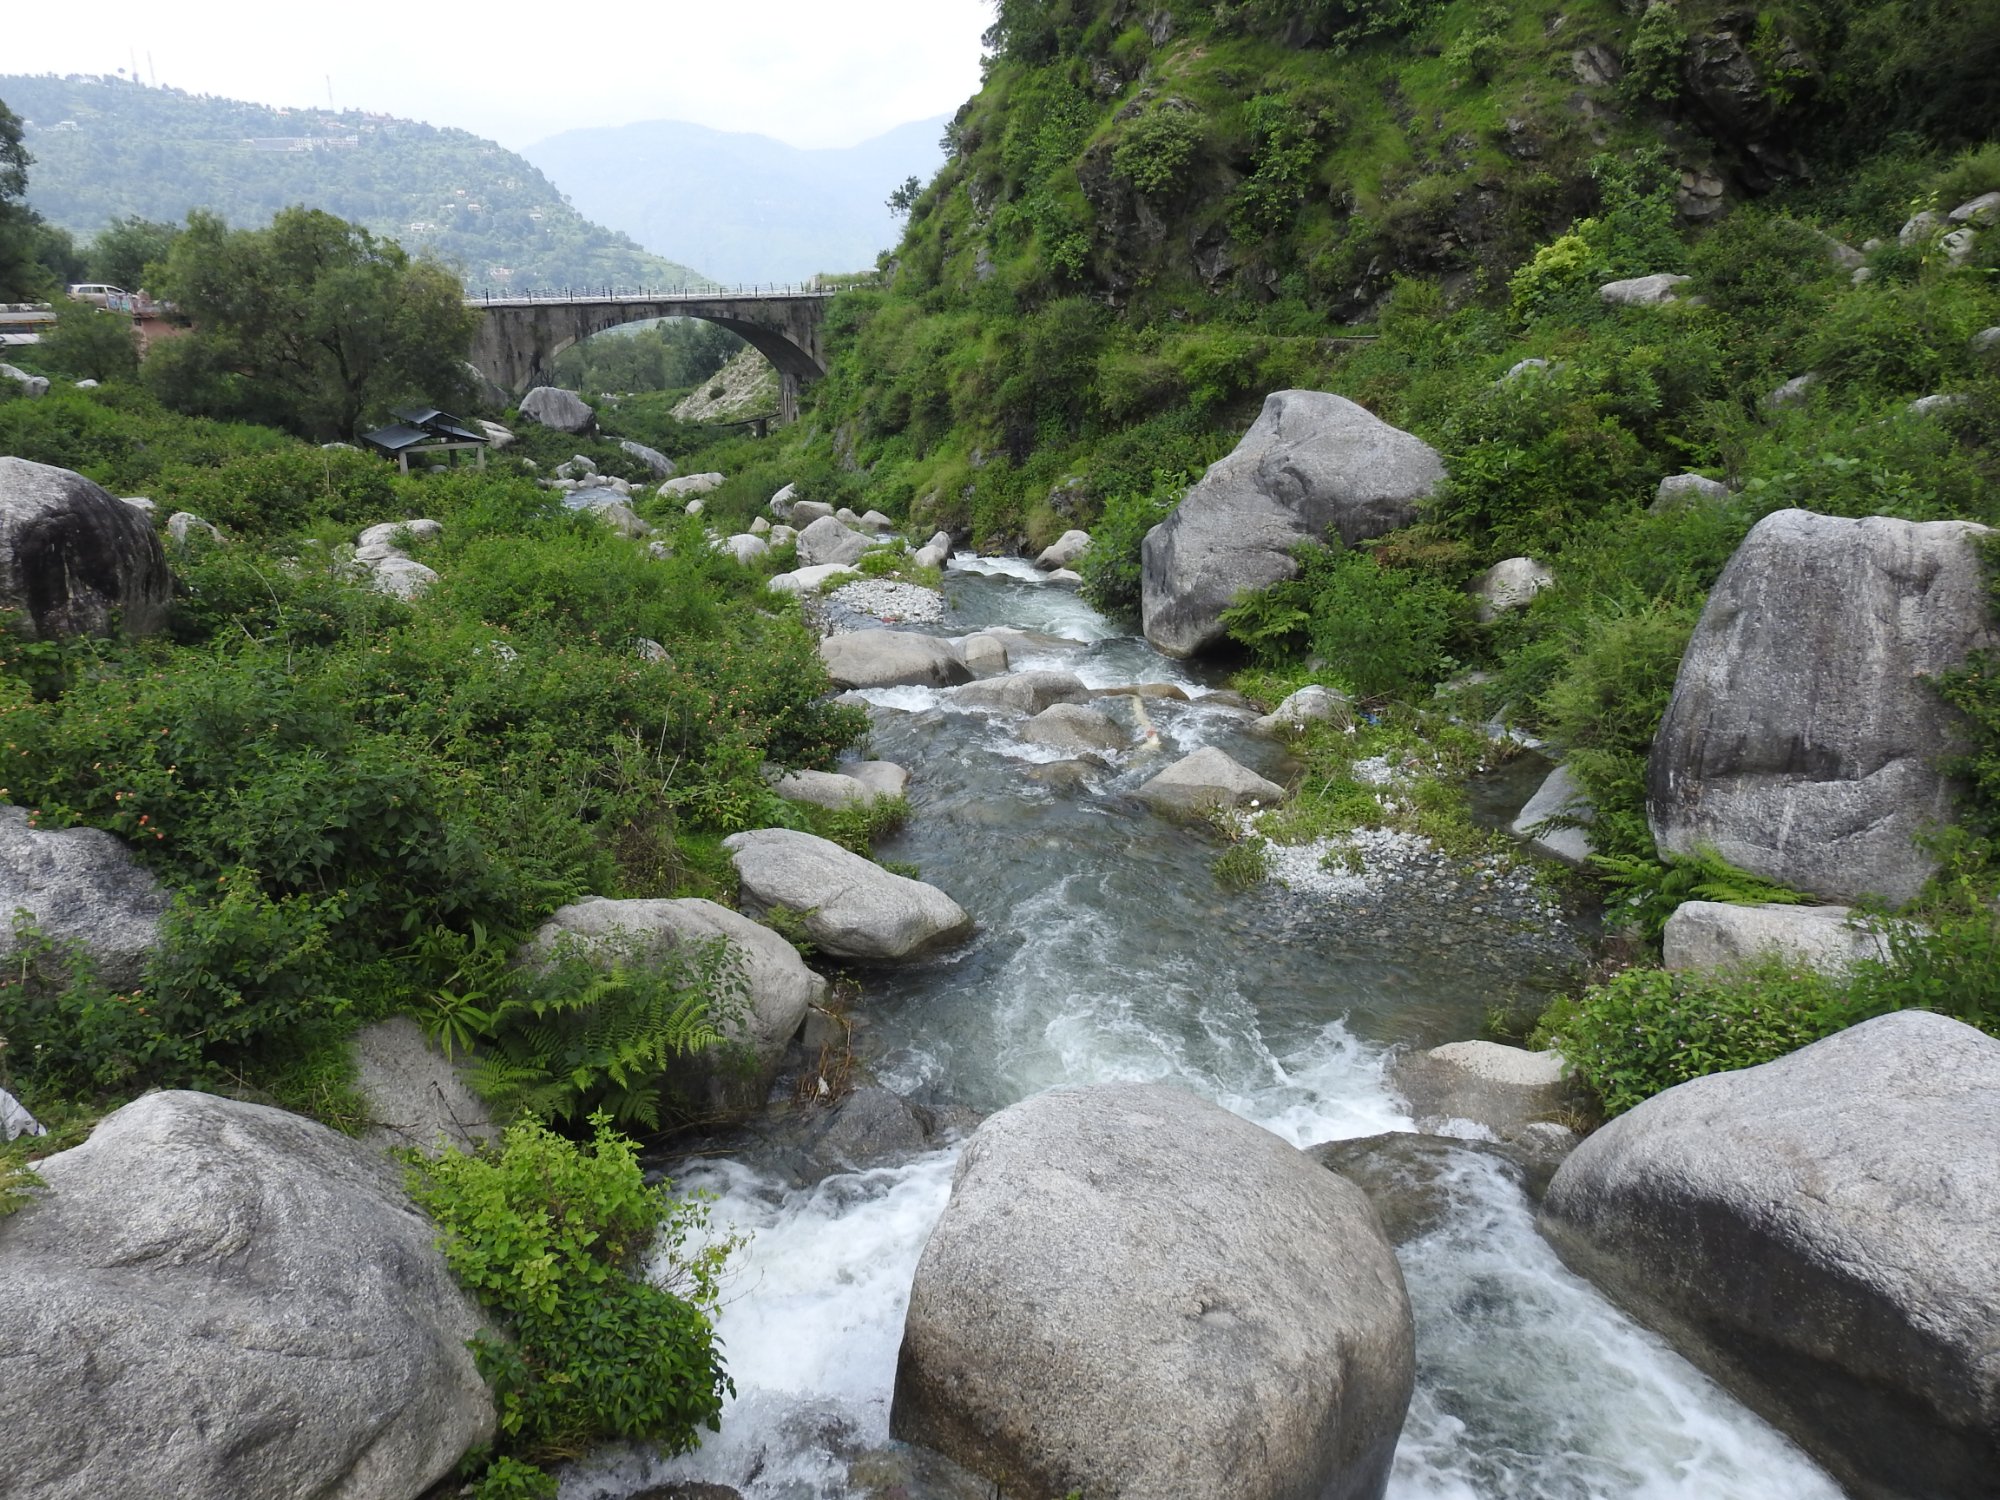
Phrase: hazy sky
x=811 y=72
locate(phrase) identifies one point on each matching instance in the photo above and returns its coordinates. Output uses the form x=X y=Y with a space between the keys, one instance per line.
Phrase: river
x=1107 y=951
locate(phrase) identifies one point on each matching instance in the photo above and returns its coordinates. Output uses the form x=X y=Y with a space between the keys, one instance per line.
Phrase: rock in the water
x=73 y=560
x=1022 y=692
x=929 y=557
x=1559 y=797
x=822 y=789
x=1311 y=704
x=417 y=1098
x=871 y=1127
x=1408 y=1177
x=1072 y=727
x=778 y=988
x=1679 y=490
x=1644 y=291
x=809 y=580
x=890 y=658
x=984 y=654
x=691 y=486
x=84 y=890
x=1065 y=550
x=1509 y=585
x=184 y=527
x=851 y=907
x=1714 y=935
x=657 y=462
x=744 y=547
x=1208 y=779
x=220 y=1299
x=1134 y=1292
x=876 y=521
x=1313 y=466
x=1503 y=1089
x=829 y=541
x=551 y=406
x=805 y=512
x=1821 y=1234
x=882 y=777
x=1802 y=740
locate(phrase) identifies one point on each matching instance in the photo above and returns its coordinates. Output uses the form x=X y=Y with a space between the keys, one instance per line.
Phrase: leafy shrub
x=1653 y=59
x=1378 y=630
x=1975 y=173
x=1154 y=152
x=551 y=1237
x=1896 y=340
x=282 y=491
x=1111 y=568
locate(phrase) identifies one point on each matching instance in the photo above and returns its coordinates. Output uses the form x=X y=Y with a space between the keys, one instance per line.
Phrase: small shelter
x=422 y=430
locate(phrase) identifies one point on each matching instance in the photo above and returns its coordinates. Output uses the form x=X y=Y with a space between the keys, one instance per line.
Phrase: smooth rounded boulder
x=1313 y=467
x=891 y=658
x=756 y=1025
x=553 y=407
x=828 y=540
x=850 y=907
x=1133 y=1292
x=1711 y=936
x=1022 y=692
x=1206 y=780
x=83 y=889
x=218 y=1298
x=1803 y=741
x=1822 y=1235
x=74 y=560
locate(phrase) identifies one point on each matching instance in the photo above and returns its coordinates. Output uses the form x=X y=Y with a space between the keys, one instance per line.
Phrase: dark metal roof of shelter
x=397 y=438
x=438 y=423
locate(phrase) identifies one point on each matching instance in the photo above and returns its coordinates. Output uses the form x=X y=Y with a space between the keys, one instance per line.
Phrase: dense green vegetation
x=108 y=149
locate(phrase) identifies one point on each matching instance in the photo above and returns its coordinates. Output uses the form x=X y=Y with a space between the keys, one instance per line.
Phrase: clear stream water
x=1106 y=951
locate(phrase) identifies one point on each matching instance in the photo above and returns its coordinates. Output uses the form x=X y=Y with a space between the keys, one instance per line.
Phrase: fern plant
x=580 y=1038
x=1650 y=892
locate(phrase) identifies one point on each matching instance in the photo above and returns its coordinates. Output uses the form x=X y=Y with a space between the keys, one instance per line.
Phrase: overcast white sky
x=810 y=72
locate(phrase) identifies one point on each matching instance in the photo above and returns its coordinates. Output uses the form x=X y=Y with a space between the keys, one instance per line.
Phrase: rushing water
x=1108 y=952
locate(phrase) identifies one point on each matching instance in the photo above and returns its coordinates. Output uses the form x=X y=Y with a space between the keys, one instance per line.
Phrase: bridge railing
x=816 y=287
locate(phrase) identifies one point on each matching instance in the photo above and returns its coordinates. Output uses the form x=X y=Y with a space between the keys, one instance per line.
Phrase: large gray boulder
x=83 y=889
x=215 y=1298
x=829 y=789
x=31 y=385
x=891 y=658
x=805 y=512
x=691 y=486
x=1643 y=291
x=1711 y=936
x=1680 y=491
x=1206 y=780
x=1065 y=550
x=757 y=1025
x=551 y=406
x=1133 y=1292
x=850 y=907
x=655 y=461
x=74 y=560
x=1311 y=468
x=1802 y=742
x=830 y=541
x=1821 y=1234
x=1075 y=729
x=418 y=1099
x=1022 y=692
x=1311 y=704
x=1558 y=797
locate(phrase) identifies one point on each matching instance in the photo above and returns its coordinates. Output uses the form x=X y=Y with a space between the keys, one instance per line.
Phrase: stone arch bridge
x=520 y=334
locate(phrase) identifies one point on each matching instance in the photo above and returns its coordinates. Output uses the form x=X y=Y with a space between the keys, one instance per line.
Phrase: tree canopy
x=311 y=324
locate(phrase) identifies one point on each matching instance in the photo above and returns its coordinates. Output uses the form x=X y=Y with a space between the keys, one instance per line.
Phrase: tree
x=904 y=198
x=125 y=248
x=89 y=343
x=21 y=275
x=311 y=324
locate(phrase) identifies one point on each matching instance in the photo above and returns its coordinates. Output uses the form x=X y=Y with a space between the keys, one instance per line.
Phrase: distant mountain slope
x=746 y=207
x=105 y=147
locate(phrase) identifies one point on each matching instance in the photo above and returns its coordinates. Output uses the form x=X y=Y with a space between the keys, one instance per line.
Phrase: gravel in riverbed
x=885 y=601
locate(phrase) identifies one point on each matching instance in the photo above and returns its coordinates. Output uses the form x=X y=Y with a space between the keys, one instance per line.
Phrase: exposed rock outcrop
x=828 y=540
x=1821 y=1234
x=216 y=1298
x=1509 y=585
x=418 y=1099
x=1716 y=935
x=1073 y=728
x=1313 y=467
x=1191 y=1308
x=75 y=561
x=551 y=406
x=1802 y=741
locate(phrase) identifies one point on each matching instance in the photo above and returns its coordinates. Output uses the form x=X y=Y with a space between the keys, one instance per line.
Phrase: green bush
x=1111 y=568
x=1154 y=152
x=1377 y=630
x=553 y=1238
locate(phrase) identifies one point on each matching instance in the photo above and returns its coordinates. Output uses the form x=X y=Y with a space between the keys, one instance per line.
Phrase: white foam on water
x=996 y=567
x=909 y=700
x=1530 y=1386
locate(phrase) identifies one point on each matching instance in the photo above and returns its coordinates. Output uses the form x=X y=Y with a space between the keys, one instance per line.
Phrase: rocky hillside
x=106 y=148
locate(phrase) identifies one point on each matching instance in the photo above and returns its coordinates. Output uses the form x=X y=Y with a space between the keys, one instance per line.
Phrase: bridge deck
x=600 y=296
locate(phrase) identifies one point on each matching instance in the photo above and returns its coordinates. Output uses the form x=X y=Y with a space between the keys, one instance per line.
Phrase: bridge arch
x=519 y=337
